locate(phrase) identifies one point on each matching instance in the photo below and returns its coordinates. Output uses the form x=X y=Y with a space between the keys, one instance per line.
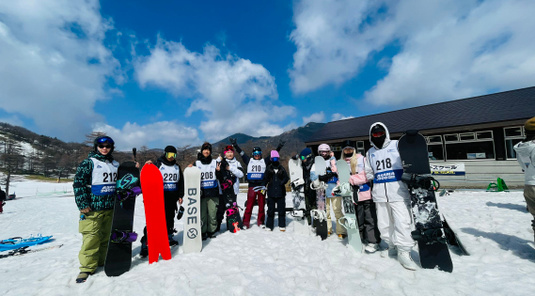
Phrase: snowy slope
x=495 y=227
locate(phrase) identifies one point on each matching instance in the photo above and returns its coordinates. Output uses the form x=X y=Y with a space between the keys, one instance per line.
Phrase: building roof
x=515 y=105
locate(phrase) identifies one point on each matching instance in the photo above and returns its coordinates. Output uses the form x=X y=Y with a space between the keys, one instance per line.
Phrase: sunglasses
x=102 y=146
x=378 y=134
x=170 y=154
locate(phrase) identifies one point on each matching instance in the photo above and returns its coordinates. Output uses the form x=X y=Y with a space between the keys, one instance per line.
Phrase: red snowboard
x=152 y=188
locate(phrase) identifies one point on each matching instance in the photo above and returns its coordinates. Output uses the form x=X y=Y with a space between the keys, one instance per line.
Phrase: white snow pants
x=394 y=221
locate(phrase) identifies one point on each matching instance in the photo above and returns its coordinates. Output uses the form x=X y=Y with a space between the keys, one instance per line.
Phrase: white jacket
x=384 y=167
x=525 y=155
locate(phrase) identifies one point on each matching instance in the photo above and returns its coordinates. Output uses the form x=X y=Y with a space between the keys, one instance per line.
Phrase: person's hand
x=148 y=162
x=232 y=141
x=86 y=210
x=218 y=167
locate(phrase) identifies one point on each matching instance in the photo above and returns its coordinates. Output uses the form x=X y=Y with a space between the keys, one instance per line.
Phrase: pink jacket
x=358 y=176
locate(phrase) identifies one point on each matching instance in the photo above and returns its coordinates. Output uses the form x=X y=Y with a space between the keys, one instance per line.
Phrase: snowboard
x=453 y=239
x=19 y=242
x=119 y=254
x=157 y=239
x=319 y=215
x=297 y=184
x=432 y=243
x=191 y=237
x=350 y=217
x=234 y=222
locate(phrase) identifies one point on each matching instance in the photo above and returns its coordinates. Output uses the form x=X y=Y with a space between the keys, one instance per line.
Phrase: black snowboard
x=429 y=229
x=119 y=255
x=234 y=222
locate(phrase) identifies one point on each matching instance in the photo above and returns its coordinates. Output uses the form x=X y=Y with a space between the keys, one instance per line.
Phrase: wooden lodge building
x=470 y=141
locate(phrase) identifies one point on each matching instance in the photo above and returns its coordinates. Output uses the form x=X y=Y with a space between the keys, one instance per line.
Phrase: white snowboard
x=191 y=237
x=349 y=220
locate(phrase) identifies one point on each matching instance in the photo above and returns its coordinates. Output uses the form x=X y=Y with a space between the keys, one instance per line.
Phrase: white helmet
x=324 y=147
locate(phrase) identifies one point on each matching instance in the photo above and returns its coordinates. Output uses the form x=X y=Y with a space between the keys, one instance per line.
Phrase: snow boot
x=390 y=251
x=82 y=277
x=172 y=241
x=144 y=250
x=404 y=258
x=371 y=248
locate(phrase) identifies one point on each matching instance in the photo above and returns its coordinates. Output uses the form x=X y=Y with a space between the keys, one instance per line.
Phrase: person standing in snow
x=173 y=180
x=210 y=190
x=525 y=155
x=276 y=178
x=231 y=172
x=95 y=193
x=394 y=218
x=307 y=162
x=331 y=200
x=364 y=205
x=256 y=167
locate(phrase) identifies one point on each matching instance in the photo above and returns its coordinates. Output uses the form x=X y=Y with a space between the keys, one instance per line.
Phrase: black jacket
x=276 y=178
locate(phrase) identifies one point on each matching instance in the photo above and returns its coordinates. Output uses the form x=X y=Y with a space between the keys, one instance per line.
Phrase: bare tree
x=12 y=160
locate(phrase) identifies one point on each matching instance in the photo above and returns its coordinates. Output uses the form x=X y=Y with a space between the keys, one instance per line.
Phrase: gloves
x=180 y=213
x=281 y=144
x=326 y=177
x=233 y=141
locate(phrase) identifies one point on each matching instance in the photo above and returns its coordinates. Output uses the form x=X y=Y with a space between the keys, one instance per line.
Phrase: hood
x=99 y=156
x=387 y=134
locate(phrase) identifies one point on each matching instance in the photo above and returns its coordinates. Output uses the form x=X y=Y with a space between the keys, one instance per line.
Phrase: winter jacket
x=83 y=180
x=358 y=177
x=525 y=155
x=276 y=179
x=237 y=170
x=384 y=167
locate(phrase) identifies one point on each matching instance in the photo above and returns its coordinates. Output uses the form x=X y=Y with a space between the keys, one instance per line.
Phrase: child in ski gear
x=231 y=171
x=307 y=161
x=173 y=179
x=331 y=200
x=256 y=166
x=392 y=199
x=210 y=190
x=2 y=200
x=276 y=178
x=95 y=193
x=525 y=155
x=364 y=205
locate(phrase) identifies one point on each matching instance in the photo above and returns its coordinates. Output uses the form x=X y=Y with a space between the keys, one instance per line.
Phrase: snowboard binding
x=120 y=237
x=429 y=236
x=426 y=182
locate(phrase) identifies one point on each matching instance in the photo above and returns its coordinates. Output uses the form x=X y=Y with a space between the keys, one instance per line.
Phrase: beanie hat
x=205 y=146
x=274 y=153
x=530 y=124
x=170 y=149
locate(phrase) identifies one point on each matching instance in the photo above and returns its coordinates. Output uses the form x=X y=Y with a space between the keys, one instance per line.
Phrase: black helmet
x=103 y=140
x=257 y=151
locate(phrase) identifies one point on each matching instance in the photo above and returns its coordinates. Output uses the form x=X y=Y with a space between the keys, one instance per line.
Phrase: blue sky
x=157 y=73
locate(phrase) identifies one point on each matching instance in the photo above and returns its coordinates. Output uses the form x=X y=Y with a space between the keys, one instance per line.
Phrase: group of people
x=381 y=199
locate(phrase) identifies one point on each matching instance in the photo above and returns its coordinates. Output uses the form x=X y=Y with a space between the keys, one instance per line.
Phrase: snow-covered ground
x=495 y=227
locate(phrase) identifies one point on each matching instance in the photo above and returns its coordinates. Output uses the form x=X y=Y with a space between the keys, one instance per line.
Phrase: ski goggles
x=257 y=153
x=170 y=155
x=378 y=134
x=275 y=159
x=303 y=157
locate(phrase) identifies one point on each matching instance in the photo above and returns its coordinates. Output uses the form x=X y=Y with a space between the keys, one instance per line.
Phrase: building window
x=360 y=147
x=435 y=148
x=472 y=145
x=513 y=135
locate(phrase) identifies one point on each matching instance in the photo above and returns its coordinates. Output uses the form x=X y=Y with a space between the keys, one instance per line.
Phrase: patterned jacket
x=82 y=182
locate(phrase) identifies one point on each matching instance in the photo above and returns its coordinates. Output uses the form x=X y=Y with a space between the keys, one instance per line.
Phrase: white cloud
x=53 y=64
x=446 y=50
x=316 y=117
x=155 y=135
x=233 y=94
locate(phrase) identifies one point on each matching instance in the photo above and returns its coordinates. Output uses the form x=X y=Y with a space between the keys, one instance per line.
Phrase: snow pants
x=95 y=228
x=394 y=221
x=529 y=195
x=251 y=197
x=209 y=214
x=277 y=204
x=367 y=221
x=336 y=204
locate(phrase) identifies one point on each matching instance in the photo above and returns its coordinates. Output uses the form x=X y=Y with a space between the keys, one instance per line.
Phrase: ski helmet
x=257 y=151
x=324 y=147
x=101 y=140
